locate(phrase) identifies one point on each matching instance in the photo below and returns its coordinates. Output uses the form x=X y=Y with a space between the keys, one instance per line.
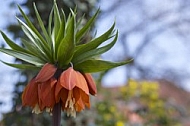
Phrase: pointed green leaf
x=22 y=66
x=61 y=32
x=30 y=34
x=31 y=26
x=50 y=23
x=82 y=31
x=57 y=20
x=92 y=66
x=94 y=43
x=79 y=22
x=60 y=37
x=34 y=50
x=95 y=52
x=66 y=47
x=34 y=40
x=44 y=48
x=23 y=56
x=12 y=44
x=48 y=39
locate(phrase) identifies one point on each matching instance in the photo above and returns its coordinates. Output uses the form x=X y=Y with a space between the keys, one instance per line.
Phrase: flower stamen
x=36 y=109
x=69 y=105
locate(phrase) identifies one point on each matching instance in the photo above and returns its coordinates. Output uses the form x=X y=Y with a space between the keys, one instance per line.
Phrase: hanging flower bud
x=91 y=83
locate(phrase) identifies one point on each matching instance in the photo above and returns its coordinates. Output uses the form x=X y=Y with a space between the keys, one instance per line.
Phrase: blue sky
x=8 y=76
x=167 y=51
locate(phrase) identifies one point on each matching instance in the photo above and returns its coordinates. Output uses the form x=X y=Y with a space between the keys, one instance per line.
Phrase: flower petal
x=81 y=82
x=85 y=99
x=47 y=71
x=68 y=79
x=47 y=93
x=30 y=94
x=91 y=83
x=60 y=93
x=76 y=93
x=82 y=101
x=40 y=105
x=63 y=96
x=79 y=105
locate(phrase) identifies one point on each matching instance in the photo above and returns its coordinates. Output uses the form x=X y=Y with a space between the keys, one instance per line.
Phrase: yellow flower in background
x=120 y=123
x=112 y=109
x=133 y=84
x=154 y=86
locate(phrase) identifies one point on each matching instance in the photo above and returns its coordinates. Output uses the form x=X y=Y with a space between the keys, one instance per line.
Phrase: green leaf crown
x=61 y=43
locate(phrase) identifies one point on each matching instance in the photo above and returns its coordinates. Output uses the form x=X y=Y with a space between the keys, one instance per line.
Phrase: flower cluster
x=70 y=88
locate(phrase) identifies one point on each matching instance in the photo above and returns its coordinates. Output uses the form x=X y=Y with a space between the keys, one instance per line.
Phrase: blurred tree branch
x=154 y=20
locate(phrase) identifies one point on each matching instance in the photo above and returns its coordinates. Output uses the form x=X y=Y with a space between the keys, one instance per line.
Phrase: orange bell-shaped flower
x=72 y=91
x=40 y=91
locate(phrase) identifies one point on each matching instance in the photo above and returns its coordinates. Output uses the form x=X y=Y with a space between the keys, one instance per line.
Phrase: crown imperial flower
x=71 y=89
x=64 y=61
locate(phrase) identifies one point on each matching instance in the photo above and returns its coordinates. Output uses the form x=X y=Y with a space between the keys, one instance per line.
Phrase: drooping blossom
x=71 y=89
x=39 y=92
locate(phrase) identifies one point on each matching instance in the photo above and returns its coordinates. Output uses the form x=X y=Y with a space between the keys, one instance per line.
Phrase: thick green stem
x=57 y=115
